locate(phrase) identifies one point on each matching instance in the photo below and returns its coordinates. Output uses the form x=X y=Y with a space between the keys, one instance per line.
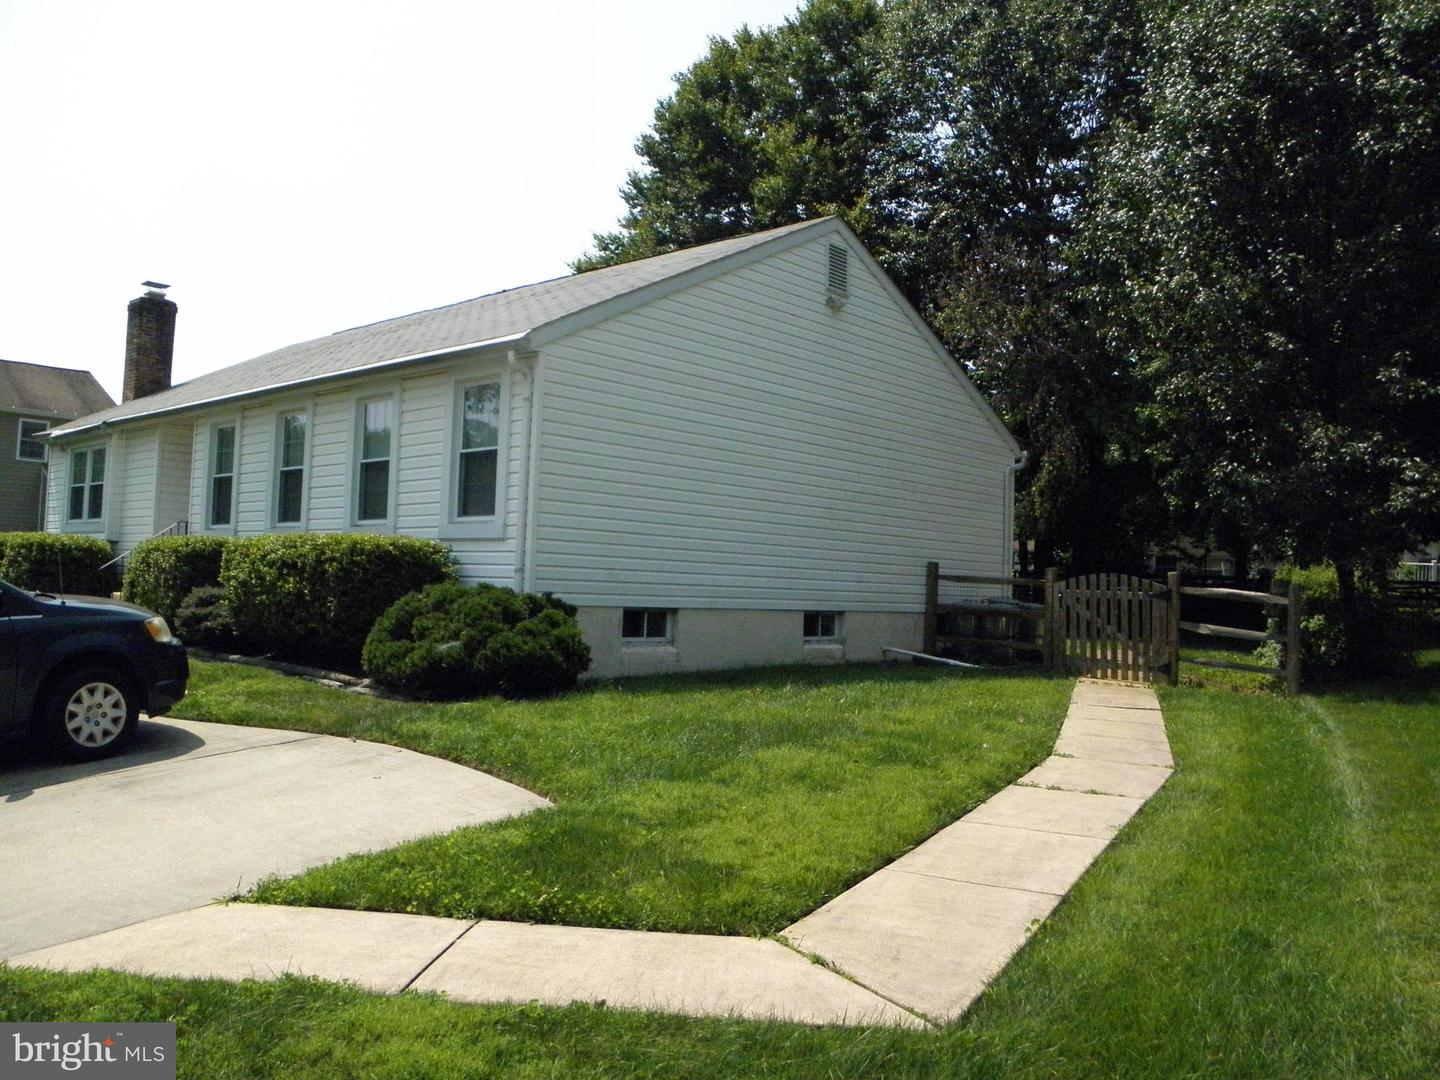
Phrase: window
x=822 y=626
x=222 y=474
x=376 y=441
x=479 y=451
x=290 y=485
x=29 y=447
x=87 y=484
x=645 y=624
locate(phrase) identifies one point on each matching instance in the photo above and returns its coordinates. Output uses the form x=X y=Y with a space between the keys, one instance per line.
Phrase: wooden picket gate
x=1105 y=626
x=1113 y=626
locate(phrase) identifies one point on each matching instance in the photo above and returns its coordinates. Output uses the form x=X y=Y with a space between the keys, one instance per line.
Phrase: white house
x=739 y=453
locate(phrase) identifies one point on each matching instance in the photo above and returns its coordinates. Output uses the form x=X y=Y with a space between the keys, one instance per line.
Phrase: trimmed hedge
x=452 y=642
x=161 y=573
x=312 y=597
x=57 y=562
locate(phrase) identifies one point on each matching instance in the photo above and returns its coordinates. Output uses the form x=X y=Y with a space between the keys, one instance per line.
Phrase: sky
x=292 y=169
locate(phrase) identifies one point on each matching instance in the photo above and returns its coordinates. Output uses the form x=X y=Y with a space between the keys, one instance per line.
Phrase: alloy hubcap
x=95 y=714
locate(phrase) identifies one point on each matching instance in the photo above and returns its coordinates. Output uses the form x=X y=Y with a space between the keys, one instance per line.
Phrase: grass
x=1270 y=913
x=1193 y=647
x=731 y=804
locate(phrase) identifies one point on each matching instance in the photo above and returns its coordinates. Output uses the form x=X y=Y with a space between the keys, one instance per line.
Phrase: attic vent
x=837 y=282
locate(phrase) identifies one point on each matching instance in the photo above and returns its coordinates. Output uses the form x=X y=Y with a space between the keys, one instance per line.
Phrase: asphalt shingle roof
x=50 y=390
x=485 y=318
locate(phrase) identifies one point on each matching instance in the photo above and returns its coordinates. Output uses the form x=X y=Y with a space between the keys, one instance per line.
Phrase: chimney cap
x=156 y=287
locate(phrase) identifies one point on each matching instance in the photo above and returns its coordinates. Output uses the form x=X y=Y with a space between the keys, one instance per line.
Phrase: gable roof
x=506 y=317
x=50 y=391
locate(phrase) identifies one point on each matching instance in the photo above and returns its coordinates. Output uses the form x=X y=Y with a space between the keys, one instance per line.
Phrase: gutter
x=515 y=341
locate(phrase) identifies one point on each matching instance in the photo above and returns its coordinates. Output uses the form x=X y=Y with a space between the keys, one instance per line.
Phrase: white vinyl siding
x=147 y=483
x=171 y=500
x=422 y=423
x=738 y=444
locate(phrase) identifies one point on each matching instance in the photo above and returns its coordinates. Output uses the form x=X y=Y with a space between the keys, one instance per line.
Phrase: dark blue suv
x=77 y=671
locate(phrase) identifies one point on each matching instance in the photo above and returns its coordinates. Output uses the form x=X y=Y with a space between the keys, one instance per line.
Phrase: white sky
x=296 y=168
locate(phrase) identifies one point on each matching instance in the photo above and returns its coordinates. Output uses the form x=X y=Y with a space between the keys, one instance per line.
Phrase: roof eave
x=518 y=341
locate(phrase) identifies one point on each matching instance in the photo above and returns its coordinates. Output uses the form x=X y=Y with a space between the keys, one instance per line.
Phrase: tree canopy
x=1190 y=249
x=1266 y=248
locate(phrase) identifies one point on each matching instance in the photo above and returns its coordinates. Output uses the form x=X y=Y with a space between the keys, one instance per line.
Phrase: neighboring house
x=34 y=399
x=734 y=454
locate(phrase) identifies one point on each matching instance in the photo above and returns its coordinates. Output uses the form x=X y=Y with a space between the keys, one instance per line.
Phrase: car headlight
x=159 y=630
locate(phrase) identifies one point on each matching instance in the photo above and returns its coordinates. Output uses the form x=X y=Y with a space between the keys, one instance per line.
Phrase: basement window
x=822 y=626
x=648 y=625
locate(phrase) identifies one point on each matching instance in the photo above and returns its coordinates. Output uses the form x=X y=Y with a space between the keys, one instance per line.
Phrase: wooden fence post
x=1053 y=648
x=1292 y=640
x=1172 y=637
x=932 y=604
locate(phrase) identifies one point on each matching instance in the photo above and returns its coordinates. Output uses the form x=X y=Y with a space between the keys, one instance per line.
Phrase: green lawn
x=1270 y=913
x=729 y=804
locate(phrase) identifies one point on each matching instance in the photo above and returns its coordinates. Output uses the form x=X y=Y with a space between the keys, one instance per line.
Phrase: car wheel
x=90 y=713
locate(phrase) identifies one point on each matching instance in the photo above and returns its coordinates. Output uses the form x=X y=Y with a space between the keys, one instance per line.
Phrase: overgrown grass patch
x=730 y=803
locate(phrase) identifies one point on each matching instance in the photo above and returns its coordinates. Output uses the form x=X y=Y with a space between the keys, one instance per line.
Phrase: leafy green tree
x=768 y=128
x=1266 y=239
x=994 y=112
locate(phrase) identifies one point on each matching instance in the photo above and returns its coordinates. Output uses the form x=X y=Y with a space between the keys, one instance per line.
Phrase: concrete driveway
x=195 y=811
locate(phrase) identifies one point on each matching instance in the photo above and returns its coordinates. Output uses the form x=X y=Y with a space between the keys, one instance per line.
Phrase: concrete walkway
x=919 y=940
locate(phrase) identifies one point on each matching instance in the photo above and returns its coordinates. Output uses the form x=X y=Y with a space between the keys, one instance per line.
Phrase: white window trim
x=277 y=432
x=666 y=642
x=357 y=440
x=83 y=524
x=493 y=527
x=207 y=441
x=20 y=422
x=836 y=638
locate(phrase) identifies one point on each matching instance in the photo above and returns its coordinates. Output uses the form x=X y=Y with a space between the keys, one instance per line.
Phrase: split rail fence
x=1105 y=626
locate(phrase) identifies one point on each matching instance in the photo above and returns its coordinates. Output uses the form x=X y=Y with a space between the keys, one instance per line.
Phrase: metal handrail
x=175 y=528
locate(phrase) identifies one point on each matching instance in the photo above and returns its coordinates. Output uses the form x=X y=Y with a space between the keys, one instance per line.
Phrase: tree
x=768 y=128
x=994 y=112
x=1266 y=243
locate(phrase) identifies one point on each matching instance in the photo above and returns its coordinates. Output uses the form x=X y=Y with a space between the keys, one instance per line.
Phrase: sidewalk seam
x=840 y=973
x=431 y=962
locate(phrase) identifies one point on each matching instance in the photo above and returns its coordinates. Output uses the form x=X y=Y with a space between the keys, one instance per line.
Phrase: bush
x=448 y=641
x=203 y=619
x=57 y=562
x=1380 y=643
x=161 y=573
x=312 y=597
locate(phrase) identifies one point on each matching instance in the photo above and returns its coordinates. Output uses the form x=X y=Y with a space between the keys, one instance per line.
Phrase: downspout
x=522 y=523
x=532 y=467
x=1021 y=460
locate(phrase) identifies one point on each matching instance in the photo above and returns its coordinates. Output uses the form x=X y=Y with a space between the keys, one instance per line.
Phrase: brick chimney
x=149 y=343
